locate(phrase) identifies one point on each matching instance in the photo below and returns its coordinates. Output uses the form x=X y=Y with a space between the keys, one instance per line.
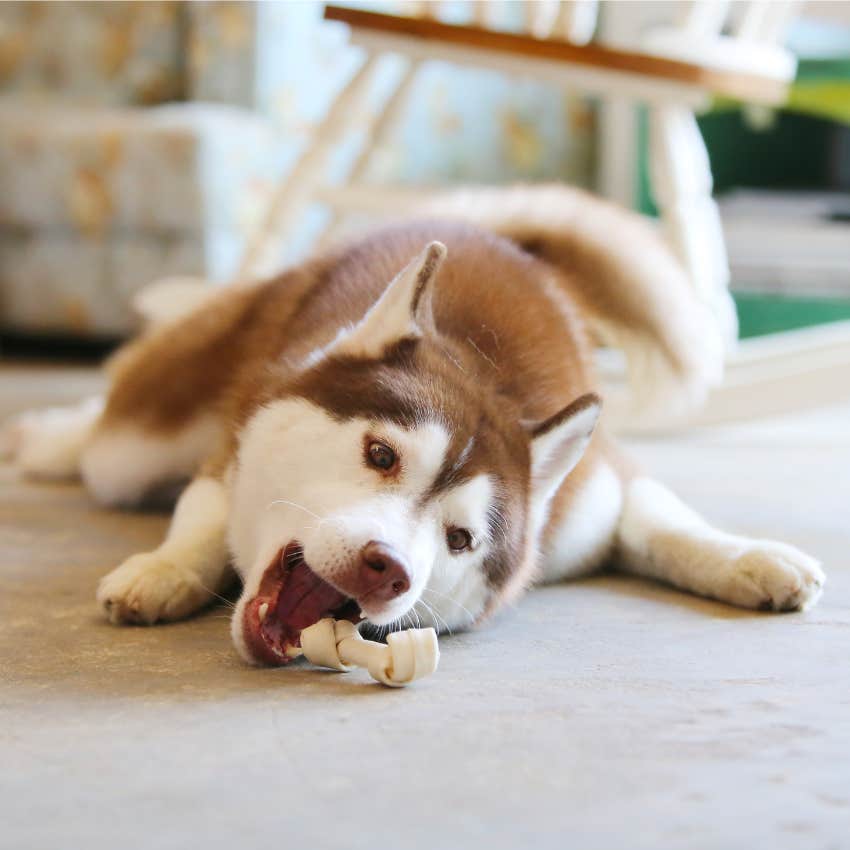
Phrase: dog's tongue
x=290 y=598
x=305 y=600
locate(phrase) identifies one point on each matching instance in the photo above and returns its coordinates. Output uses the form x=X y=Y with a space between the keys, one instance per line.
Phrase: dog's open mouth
x=291 y=597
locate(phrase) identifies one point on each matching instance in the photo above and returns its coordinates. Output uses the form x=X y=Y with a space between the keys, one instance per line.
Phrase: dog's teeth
x=362 y=616
x=262 y=611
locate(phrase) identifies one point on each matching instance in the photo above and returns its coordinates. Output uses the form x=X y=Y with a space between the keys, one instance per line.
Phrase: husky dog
x=403 y=430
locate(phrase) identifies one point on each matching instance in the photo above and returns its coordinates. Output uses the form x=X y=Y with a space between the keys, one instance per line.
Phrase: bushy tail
x=631 y=289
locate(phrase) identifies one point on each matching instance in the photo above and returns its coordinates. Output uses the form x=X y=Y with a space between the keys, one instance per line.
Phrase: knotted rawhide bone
x=406 y=655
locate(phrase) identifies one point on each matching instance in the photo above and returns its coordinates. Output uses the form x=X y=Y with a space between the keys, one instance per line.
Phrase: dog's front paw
x=150 y=588
x=778 y=577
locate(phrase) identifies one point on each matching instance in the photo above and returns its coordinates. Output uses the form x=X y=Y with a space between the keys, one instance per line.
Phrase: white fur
x=49 y=443
x=121 y=466
x=301 y=476
x=583 y=539
x=318 y=354
x=662 y=538
x=184 y=572
x=554 y=454
x=299 y=469
x=457 y=590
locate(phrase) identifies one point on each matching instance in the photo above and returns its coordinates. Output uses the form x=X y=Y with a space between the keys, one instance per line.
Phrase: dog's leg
x=660 y=537
x=123 y=465
x=49 y=443
x=583 y=522
x=188 y=569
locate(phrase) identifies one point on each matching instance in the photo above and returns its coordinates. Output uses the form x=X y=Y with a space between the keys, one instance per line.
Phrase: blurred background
x=145 y=139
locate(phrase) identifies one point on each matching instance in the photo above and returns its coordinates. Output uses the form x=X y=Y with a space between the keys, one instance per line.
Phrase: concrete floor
x=605 y=714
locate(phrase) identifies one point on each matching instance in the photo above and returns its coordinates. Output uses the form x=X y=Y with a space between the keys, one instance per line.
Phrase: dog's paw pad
x=150 y=588
x=778 y=577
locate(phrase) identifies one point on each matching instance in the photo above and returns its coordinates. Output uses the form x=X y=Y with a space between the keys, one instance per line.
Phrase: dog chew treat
x=406 y=656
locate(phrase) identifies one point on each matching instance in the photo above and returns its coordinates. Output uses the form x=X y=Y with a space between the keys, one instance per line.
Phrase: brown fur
x=508 y=351
x=216 y=358
x=621 y=276
x=484 y=372
x=491 y=342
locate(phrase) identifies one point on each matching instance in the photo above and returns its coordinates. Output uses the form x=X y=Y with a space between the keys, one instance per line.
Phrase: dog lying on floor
x=403 y=430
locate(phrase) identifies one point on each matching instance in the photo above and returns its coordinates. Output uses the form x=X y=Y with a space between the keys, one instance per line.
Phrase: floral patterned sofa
x=141 y=139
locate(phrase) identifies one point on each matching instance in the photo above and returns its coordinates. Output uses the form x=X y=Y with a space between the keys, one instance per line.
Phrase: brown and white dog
x=402 y=431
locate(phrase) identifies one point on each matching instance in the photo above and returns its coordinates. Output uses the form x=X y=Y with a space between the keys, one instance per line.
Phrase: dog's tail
x=629 y=286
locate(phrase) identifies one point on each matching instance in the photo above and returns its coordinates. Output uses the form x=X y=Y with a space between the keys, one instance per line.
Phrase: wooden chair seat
x=424 y=36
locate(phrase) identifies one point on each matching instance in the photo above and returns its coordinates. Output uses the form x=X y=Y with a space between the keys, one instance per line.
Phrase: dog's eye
x=458 y=539
x=381 y=456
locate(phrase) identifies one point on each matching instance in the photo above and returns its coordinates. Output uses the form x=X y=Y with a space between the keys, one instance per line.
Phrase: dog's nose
x=384 y=575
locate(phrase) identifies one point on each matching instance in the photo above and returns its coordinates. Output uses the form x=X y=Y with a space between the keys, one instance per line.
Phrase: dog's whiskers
x=490 y=360
x=453 y=601
x=436 y=617
x=229 y=603
x=294 y=505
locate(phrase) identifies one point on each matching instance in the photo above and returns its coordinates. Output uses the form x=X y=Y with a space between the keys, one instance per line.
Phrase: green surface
x=822 y=88
x=762 y=314
x=794 y=152
x=828 y=98
x=742 y=156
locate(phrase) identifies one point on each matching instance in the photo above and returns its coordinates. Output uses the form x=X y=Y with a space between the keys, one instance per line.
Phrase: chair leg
x=680 y=173
x=384 y=125
x=295 y=192
x=616 y=155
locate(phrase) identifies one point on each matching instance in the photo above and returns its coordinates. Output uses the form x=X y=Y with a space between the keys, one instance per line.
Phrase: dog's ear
x=403 y=311
x=558 y=443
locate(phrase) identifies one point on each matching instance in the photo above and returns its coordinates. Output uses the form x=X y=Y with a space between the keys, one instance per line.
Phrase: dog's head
x=386 y=483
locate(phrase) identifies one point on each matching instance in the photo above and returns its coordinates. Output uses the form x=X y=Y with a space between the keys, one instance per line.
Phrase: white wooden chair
x=676 y=73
